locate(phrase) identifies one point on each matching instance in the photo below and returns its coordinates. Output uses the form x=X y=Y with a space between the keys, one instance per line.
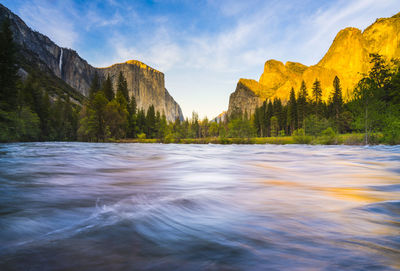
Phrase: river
x=88 y=206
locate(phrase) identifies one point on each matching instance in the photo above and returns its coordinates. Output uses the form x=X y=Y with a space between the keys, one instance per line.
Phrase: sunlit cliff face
x=137 y=63
x=348 y=58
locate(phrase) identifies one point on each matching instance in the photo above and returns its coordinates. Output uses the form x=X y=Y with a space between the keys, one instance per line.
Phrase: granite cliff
x=146 y=85
x=348 y=58
x=38 y=52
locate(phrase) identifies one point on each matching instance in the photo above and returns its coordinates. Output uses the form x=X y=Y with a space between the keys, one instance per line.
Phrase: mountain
x=69 y=73
x=348 y=58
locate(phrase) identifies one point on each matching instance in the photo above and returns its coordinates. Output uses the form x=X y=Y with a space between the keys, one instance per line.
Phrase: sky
x=202 y=47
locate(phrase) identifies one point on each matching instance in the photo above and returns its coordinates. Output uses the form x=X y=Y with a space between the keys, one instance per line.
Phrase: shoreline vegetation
x=31 y=111
x=340 y=139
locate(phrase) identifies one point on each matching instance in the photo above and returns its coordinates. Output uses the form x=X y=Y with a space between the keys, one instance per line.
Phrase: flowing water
x=82 y=206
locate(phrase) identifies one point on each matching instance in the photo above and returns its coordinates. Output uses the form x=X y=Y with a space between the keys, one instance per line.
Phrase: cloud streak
x=51 y=20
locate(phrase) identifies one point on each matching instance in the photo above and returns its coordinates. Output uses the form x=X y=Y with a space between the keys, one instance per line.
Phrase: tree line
x=309 y=113
x=375 y=107
x=30 y=111
x=27 y=111
x=114 y=115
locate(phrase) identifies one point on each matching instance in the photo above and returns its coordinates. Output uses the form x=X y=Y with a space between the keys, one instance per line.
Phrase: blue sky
x=203 y=47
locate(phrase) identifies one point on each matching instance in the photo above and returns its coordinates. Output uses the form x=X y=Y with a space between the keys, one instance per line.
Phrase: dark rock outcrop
x=144 y=83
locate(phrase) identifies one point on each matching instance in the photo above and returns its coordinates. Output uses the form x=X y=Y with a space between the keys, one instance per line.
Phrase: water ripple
x=199 y=207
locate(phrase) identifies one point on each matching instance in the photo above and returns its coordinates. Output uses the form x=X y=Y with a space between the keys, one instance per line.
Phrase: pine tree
x=279 y=114
x=107 y=88
x=8 y=68
x=268 y=115
x=132 y=118
x=292 y=112
x=258 y=120
x=122 y=86
x=263 y=111
x=302 y=104
x=317 y=93
x=151 y=122
x=337 y=101
x=116 y=117
x=274 y=126
x=163 y=126
x=98 y=106
x=94 y=85
x=45 y=108
x=195 y=126
x=141 y=121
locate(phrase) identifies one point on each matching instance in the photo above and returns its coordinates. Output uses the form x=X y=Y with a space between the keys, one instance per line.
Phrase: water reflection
x=198 y=207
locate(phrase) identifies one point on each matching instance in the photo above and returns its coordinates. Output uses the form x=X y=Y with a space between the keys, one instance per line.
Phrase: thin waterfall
x=60 y=62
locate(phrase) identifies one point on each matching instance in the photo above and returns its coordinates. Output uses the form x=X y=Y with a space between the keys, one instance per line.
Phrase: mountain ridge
x=76 y=72
x=347 y=57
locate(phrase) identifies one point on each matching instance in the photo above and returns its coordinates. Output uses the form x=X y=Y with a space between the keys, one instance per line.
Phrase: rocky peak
x=383 y=37
x=144 y=83
x=274 y=74
x=347 y=58
x=347 y=53
x=295 y=67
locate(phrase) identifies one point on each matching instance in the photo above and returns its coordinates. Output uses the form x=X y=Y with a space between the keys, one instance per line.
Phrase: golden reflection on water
x=354 y=194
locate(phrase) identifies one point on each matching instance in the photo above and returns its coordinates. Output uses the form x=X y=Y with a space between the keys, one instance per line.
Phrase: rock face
x=348 y=58
x=247 y=97
x=144 y=83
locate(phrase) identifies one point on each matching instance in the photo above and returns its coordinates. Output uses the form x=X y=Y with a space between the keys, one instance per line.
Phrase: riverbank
x=341 y=139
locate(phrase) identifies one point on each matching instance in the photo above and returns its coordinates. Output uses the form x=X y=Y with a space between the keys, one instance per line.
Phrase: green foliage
x=36 y=109
x=302 y=104
x=317 y=91
x=376 y=104
x=274 y=126
x=116 y=119
x=214 y=129
x=314 y=125
x=240 y=128
x=151 y=122
x=351 y=139
x=8 y=69
x=195 y=126
x=336 y=104
x=299 y=137
x=95 y=84
x=328 y=137
x=122 y=86
x=62 y=124
x=392 y=131
x=93 y=119
x=107 y=88
x=292 y=117
x=259 y=120
x=19 y=126
x=132 y=118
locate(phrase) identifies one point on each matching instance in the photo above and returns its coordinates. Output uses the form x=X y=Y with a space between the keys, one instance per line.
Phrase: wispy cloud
x=52 y=20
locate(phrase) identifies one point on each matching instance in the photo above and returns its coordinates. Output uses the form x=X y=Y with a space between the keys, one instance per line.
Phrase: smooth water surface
x=82 y=206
